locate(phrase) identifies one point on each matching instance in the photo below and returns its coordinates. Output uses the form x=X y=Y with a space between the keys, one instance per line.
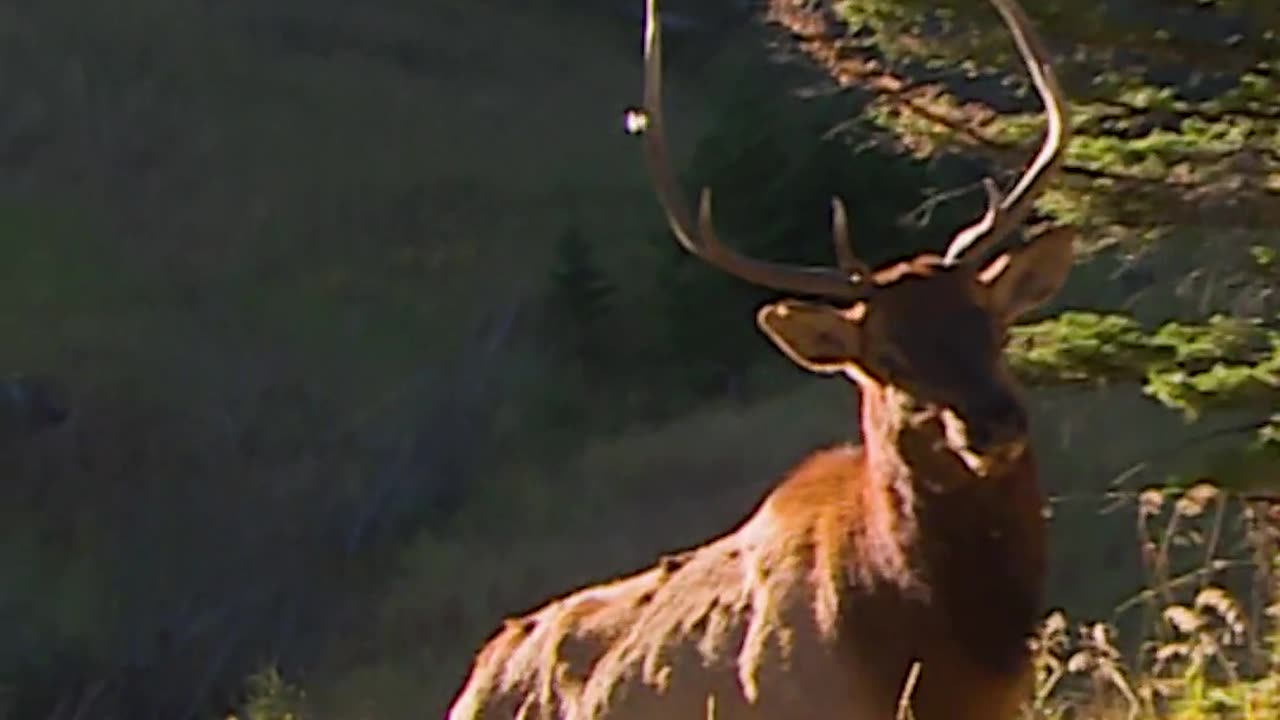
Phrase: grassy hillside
x=636 y=497
x=257 y=244
x=347 y=182
x=289 y=259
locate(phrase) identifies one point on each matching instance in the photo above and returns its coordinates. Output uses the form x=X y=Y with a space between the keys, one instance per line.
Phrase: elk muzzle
x=989 y=432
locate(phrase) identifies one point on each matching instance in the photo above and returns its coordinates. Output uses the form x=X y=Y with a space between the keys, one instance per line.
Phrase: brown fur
x=850 y=570
x=922 y=548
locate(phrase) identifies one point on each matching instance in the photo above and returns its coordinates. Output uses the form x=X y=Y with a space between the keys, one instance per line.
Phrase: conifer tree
x=1176 y=154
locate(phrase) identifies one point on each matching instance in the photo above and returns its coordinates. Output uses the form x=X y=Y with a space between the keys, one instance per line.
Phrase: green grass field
x=632 y=502
x=203 y=203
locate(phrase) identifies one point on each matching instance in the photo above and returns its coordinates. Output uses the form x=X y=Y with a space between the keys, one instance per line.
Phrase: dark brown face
x=931 y=327
x=936 y=333
x=935 y=338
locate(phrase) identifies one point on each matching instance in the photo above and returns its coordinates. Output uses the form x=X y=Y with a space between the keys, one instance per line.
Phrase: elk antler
x=846 y=258
x=1005 y=214
x=844 y=283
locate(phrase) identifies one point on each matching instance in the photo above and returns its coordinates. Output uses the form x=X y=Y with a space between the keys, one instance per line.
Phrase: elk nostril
x=980 y=437
x=1010 y=413
x=998 y=420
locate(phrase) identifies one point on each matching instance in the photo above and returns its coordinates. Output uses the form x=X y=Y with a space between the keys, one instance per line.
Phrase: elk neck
x=912 y=476
x=898 y=447
x=906 y=444
x=884 y=420
x=979 y=541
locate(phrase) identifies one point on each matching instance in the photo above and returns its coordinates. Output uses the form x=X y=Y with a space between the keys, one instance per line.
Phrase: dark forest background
x=332 y=333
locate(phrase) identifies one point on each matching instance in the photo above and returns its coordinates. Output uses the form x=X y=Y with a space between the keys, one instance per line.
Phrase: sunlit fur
x=921 y=548
x=862 y=561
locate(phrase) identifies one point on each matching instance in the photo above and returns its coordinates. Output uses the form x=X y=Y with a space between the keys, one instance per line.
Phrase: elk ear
x=1025 y=277
x=818 y=338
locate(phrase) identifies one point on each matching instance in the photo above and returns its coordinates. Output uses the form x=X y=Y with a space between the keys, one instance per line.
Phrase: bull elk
x=919 y=554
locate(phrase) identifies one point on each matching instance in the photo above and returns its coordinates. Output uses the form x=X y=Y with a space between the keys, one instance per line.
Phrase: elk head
x=929 y=331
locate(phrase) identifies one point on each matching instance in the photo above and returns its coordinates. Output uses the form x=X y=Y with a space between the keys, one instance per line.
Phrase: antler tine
x=1003 y=216
x=702 y=241
x=847 y=259
x=967 y=236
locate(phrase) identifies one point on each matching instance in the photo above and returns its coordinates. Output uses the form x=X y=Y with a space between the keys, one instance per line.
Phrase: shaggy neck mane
x=882 y=422
x=904 y=444
x=886 y=495
x=932 y=530
x=907 y=466
x=947 y=563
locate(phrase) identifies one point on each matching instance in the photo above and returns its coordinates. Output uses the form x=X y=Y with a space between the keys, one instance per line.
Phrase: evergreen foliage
x=580 y=303
x=1175 y=105
x=1177 y=119
x=255 y=242
x=774 y=157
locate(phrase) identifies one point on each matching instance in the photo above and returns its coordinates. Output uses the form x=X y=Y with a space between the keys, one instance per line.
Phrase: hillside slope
x=253 y=242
